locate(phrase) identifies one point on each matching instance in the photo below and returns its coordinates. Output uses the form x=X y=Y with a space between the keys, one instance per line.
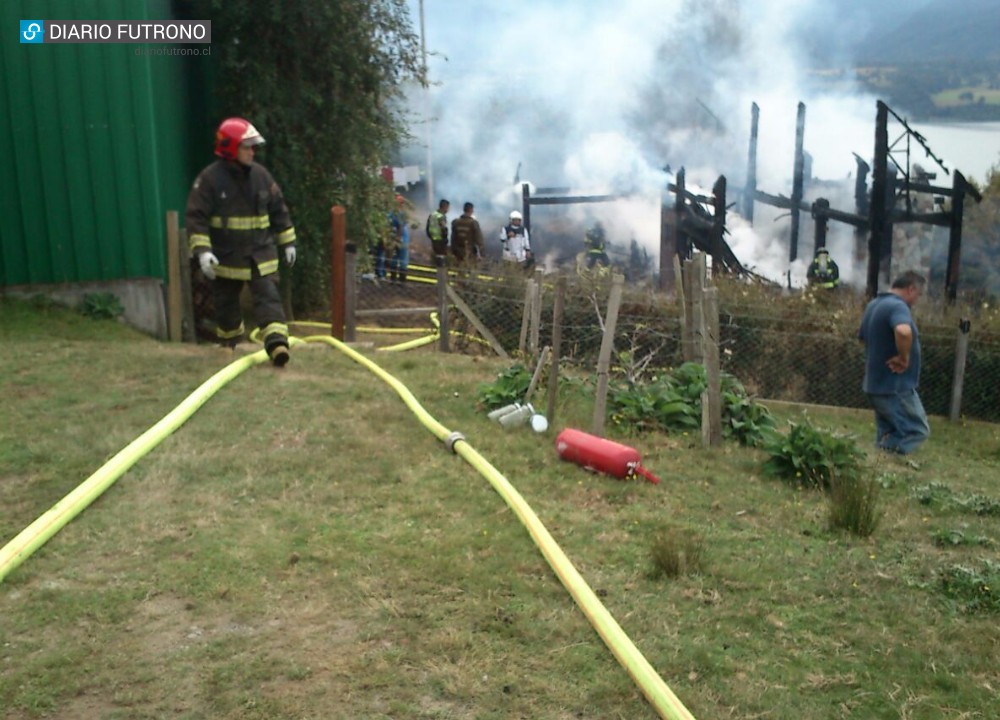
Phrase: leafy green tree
x=322 y=80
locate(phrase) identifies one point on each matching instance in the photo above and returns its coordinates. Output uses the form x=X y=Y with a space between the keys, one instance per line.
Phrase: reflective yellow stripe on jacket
x=198 y=240
x=252 y=222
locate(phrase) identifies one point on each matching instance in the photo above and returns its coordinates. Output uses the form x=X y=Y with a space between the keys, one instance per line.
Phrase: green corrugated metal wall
x=95 y=146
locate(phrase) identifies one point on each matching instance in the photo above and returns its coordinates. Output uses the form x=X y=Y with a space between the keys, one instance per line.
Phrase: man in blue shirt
x=892 y=365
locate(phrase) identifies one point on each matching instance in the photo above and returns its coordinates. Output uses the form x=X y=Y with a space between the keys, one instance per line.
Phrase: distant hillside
x=863 y=32
x=941 y=31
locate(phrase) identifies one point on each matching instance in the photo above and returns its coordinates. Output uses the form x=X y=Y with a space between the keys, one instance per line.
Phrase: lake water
x=971 y=148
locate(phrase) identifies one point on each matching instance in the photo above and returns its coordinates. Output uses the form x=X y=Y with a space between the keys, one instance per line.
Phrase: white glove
x=208 y=262
x=290 y=255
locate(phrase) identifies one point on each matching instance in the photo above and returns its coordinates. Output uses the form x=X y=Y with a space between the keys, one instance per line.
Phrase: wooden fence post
x=604 y=360
x=442 y=288
x=711 y=398
x=958 y=380
x=338 y=241
x=188 y=331
x=175 y=303
x=529 y=295
x=536 y=311
x=350 y=292
x=557 y=318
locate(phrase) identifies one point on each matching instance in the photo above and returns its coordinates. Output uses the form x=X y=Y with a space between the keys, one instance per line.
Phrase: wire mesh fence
x=797 y=347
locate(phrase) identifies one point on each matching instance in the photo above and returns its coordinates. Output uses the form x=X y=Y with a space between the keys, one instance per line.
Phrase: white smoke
x=600 y=98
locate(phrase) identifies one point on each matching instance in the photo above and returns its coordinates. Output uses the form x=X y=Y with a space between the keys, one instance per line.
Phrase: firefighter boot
x=279 y=355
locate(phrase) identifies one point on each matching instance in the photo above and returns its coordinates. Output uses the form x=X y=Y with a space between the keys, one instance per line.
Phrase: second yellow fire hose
x=39 y=532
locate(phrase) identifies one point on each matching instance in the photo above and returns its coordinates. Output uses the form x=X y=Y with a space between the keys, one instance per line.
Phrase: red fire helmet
x=231 y=133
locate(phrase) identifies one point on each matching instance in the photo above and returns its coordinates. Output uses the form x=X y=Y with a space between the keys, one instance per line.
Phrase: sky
x=602 y=97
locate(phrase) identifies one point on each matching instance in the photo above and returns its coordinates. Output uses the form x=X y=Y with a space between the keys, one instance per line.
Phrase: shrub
x=811 y=457
x=510 y=386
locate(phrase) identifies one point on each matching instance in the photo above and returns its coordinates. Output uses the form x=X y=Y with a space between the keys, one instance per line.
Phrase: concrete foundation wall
x=142 y=299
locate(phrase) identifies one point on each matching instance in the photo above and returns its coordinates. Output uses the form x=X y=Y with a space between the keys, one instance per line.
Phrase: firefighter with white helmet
x=236 y=220
x=516 y=242
x=823 y=271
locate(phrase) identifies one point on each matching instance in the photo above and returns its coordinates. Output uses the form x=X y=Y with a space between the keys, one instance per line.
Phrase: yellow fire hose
x=659 y=695
x=55 y=518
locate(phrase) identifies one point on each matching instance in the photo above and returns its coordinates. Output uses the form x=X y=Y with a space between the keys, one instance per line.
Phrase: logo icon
x=32 y=31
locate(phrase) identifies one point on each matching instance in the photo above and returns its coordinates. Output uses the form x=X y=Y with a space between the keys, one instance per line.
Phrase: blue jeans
x=399 y=262
x=900 y=421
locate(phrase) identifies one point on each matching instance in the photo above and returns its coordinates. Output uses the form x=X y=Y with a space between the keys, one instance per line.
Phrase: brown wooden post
x=607 y=346
x=175 y=303
x=557 y=318
x=958 y=379
x=338 y=284
x=188 y=332
x=536 y=311
x=711 y=399
x=529 y=296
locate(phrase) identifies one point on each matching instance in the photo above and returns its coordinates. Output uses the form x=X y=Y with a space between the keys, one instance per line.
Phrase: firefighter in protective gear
x=823 y=271
x=595 y=240
x=437 y=228
x=236 y=220
x=467 y=236
x=516 y=242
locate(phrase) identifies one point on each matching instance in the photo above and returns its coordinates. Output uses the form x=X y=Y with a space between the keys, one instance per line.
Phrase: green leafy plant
x=974 y=590
x=811 y=457
x=939 y=494
x=671 y=401
x=509 y=387
x=957 y=538
x=102 y=306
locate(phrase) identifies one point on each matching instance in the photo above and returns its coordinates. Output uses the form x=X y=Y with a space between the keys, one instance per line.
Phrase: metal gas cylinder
x=602 y=455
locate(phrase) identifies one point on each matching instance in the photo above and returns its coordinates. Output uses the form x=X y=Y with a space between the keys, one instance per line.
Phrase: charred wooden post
x=750 y=187
x=885 y=247
x=821 y=214
x=683 y=245
x=668 y=245
x=955 y=236
x=526 y=205
x=877 y=210
x=797 y=181
x=718 y=224
x=861 y=205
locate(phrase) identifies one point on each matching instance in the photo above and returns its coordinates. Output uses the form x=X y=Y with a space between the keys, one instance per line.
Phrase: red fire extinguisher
x=602 y=455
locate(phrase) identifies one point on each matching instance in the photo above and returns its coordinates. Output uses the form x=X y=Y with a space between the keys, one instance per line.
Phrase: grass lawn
x=304 y=548
x=966 y=96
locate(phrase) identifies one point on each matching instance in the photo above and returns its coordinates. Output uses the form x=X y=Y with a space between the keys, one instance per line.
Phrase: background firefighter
x=595 y=241
x=823 y=271
x=467 y=236
x=516 y=241
x=236 y=218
